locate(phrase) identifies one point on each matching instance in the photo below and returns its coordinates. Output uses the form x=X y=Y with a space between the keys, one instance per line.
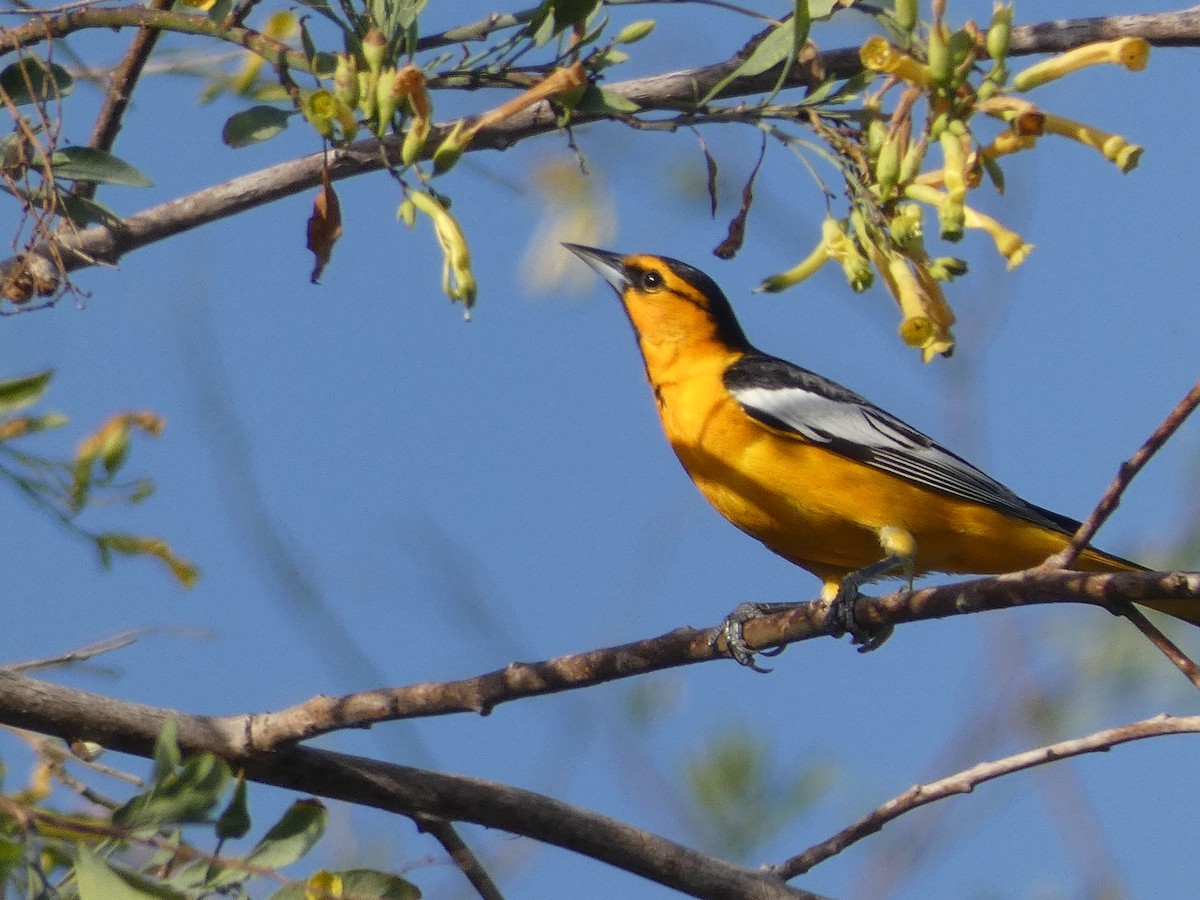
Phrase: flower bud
x=374 y=50
x=634 y=31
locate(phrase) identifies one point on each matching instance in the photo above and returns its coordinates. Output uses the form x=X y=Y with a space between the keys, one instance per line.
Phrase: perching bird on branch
x=818 y=474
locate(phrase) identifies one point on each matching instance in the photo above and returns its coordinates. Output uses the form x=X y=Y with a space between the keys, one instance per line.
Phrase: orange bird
x=818 y=474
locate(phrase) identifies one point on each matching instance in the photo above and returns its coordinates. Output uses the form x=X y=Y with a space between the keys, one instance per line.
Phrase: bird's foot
x=735 y=642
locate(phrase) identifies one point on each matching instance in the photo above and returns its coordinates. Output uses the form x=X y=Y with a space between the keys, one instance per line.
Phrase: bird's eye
x=651 y=281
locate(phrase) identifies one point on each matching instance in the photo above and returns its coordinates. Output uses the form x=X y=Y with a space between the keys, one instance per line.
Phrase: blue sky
x=458 y=495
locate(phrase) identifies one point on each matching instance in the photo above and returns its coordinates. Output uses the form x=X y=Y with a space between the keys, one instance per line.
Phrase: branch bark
x=131 y=728
x=670 y=91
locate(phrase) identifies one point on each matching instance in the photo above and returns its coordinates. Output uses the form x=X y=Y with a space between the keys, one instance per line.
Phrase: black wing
x=791 y=399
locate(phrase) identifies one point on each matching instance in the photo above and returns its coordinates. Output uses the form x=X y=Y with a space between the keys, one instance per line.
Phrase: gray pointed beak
x=607 y=265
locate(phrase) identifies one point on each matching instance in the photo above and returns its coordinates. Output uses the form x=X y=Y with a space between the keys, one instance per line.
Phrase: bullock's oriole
x=815 y=472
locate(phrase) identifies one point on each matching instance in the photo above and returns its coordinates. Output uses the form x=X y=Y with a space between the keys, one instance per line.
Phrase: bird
x=818 y=474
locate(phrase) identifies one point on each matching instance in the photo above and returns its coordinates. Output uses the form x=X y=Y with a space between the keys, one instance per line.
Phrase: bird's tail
x=1092 y=560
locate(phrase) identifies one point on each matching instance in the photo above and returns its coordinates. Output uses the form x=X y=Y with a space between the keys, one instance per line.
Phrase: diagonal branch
x=685 y=646
x=966 y=781
x=132 y=728
x=670 y=91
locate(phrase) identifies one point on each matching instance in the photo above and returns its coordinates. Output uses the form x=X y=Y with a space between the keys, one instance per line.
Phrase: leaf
x=596 y=99
x=729 y=247
x=234 y=820
x=111 y=542
x=710 y=165
x=33 y=81
x=324 y=226
x=778 y=45
x=83 y=211
x=356 y=883
x=97 y=880
x=254 y=125
x=183 y=797
x=167 y=757
x=21 y=393
x=291 y=837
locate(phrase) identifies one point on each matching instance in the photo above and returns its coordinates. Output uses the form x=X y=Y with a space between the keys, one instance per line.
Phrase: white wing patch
x=859 y=430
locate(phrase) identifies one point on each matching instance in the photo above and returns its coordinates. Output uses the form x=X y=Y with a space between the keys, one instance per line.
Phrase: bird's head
x=665 y=299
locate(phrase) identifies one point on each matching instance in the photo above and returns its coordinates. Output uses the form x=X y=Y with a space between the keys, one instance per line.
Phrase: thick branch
x=667 y=92
x=132 y=727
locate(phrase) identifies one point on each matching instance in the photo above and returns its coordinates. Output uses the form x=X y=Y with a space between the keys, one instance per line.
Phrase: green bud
x=407 y=212
x=634 y=31
x=414 y=141
x=345 y=79
x=940 y=64
x=1000 y=32
x=374 y=50
x=906 y=15
x=947 y=268
x=887 y=166
x=451 y=149
x=386 y=100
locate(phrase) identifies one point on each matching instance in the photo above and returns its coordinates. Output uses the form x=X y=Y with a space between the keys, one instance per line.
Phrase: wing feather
x=791 y=399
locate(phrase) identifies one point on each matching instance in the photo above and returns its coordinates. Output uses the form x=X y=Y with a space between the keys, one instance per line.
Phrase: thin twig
x=1178 y=658
x=966 y=781
x=1129 y=469
x=120 y=91
x=467 y=862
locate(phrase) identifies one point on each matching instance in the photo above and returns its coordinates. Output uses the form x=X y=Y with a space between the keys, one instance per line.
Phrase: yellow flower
x=1114 y=147
x=1131 y=53
x=458 y=281
x=878 y=55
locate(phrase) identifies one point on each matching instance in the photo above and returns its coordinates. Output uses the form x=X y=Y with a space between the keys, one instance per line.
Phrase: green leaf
x=360 y=883
x=596 y=99
x=83 y=211
x=777 y=47
x=90 y=164
x=33 y=81
x=17 y=394
x=234 y=820
x=97 y=880
x=254 y=125
x=167 y=757
x=291 y=837
x=177 y=797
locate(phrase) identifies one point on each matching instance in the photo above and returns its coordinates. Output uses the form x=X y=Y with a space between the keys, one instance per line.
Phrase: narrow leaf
x=21 y=393
x=254 y=125
x=729 y=247
x=291 y=837
x=90 y=164
x=33 y=81
x=234 y=820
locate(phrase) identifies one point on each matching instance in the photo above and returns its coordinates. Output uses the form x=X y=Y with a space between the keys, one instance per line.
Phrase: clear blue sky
x=459 y=495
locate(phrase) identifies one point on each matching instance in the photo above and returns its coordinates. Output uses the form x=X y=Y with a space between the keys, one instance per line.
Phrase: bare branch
x=1128 y=471
x=966 y=781
x=132 y=728
x=685 y=646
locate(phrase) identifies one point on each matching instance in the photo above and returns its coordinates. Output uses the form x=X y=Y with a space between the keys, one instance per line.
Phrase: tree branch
x=685 y=646
x=131 y=728
x=666 y=92
x=966 y=781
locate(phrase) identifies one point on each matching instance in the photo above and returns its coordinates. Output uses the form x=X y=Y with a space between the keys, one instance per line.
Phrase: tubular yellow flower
x=773 y=284
x=1010 y=244
x=1131 y=53
x=458 y=281
x=954 y=167
x=1007 y=142
x=320 y=108
x=878 y=55
x=917 y=326
x=842 y=248
x=1114 y=147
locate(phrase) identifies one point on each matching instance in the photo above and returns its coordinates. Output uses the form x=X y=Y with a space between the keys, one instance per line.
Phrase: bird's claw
x=735 y=642
x=841 y=613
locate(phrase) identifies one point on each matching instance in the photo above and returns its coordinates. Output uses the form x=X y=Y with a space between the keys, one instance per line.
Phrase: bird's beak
x=607 y=265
